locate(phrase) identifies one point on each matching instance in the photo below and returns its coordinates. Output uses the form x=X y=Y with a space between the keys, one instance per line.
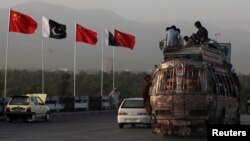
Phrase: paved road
x=87 y=127
x=245 y=119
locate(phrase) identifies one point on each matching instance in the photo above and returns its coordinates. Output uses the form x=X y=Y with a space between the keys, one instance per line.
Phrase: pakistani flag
x=52 y=29
x=110 y=39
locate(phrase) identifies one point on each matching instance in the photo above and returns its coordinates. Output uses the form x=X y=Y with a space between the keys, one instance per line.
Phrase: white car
x=132 y=111
x=27 y=107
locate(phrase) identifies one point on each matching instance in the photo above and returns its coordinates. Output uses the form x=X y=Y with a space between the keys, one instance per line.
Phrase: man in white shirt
x=172 y=37
x=114 y=95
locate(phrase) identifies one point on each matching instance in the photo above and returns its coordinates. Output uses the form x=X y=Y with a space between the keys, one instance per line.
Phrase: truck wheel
x=47 y=117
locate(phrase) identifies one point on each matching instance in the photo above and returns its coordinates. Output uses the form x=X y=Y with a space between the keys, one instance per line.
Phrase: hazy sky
x=228 y=13
x=224 y=15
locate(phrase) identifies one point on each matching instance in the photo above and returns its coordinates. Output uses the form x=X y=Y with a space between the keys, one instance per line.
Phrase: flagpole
x=75 y=66
x=6 y=63
x=42 y=65
x=102 y=67
x=113 y=68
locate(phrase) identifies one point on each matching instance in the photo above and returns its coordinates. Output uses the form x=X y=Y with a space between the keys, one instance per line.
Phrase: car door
x=35 y=107
x=42 y=108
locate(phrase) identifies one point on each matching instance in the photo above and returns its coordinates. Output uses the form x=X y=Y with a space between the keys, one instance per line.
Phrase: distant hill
x=25 y=50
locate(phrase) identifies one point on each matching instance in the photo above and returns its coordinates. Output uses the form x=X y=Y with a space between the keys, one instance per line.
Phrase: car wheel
x=32 y=118
x=121 y=125
x=8 y=119
x=47 y=117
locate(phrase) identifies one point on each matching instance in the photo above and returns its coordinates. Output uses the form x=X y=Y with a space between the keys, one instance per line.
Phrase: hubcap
x=33 y=118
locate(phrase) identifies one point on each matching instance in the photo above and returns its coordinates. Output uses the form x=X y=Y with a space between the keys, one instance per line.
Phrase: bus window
x=168 y=79
x=225 y=84
x=233 y=86
x=195 y=79
x=161 y=81
x=179 y=77
x=201 y=81
x=222 y=90
x=189 y=84
x=229 y=86
x=173 y=79
x=155 y=84
x=215 y=82
x=210 y=83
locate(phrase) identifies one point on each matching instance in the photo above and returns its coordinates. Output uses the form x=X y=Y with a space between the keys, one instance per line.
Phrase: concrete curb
x=58 y=114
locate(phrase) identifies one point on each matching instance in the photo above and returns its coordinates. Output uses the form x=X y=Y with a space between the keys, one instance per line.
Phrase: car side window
x=34 y=100
x=40 y=102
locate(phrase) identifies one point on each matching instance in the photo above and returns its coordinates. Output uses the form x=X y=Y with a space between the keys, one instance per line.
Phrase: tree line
x=60 y=83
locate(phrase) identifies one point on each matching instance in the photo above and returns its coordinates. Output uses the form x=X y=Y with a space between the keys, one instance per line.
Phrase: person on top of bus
x=172 y=37
x=202 y=33
x=180 y=40
x=188 y=41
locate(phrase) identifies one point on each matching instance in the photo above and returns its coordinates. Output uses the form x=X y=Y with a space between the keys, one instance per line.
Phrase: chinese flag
x=21 y=23
x=85 y=35
x=124 y=39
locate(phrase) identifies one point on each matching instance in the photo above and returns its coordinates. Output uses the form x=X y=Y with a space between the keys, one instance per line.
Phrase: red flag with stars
x=85 y=35
x=21 y=23
x=124 y=39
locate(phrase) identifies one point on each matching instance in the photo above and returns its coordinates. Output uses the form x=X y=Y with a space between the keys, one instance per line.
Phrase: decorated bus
x=193 y=87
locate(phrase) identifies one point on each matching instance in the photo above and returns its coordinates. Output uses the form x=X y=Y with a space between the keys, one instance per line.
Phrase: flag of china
x=85 y=35
x=124 y=39
x=21 y=23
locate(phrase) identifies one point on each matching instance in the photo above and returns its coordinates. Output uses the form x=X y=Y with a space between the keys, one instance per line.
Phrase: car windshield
x=19 y=100
x=133 y=104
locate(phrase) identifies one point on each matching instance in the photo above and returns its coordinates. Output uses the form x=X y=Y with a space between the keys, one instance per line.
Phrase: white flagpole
x=42 y=65
x=102 y=67
x=113 y=68
x=75 y=65
x=6 y=64
x=6 y=59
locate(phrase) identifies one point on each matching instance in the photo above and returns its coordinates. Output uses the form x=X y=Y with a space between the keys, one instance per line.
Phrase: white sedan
x=132 y=111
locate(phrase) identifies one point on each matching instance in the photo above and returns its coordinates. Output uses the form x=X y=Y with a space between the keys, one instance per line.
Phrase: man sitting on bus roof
x=201 y=36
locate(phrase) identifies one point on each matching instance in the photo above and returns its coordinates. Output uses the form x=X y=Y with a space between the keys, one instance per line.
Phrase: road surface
x=81 y=127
